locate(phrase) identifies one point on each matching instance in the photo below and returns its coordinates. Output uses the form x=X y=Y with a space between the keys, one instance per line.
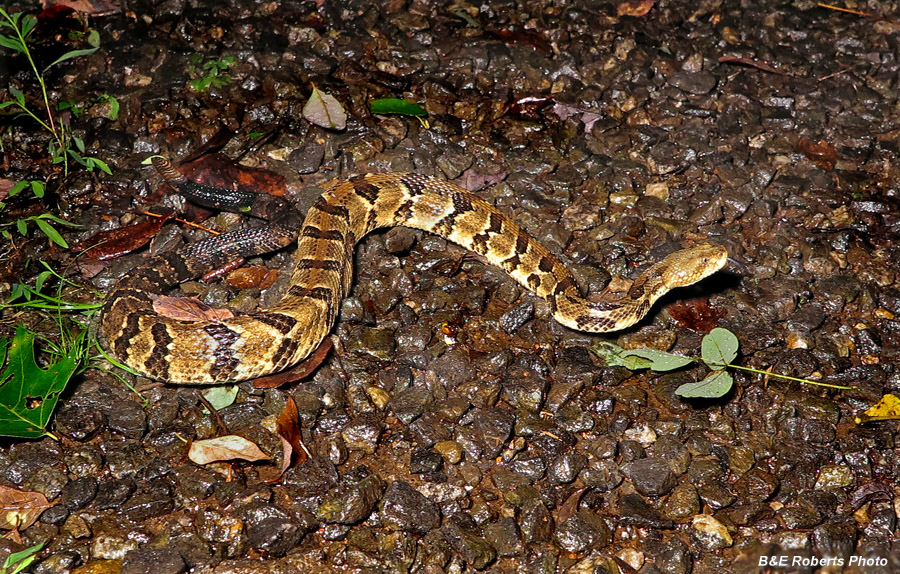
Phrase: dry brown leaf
x=219 y=170
x=19 y=508
x=634 y=8
x=228 y=447
x=291 y=438
x=188 y=309
x=750 y=63
x=298 y=371
x=89 y=7
x=257 y=276
x=820 y=153
x=117 y=242
x=695 y=314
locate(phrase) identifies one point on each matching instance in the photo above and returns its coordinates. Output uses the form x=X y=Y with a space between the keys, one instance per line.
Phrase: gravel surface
x=458 y=428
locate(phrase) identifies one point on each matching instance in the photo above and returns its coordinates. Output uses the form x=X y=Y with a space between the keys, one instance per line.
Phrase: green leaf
x=19 y=186
x=614 y=356
x=221 y=397
x=59 y=220
x=113 y=113
x=39 y=280
x=93 y=39
x=719 y=348
x=11 y=43
x=22 y=226
x=101 y=164
x=37 y=187
x=396 y=106
x=18 y=95
x=51 y=233
x=28 y=394
x=715 y=385
x=659 y=360
x=79 y=143
x=20 y=557
x=8 y=103
x=29 y=21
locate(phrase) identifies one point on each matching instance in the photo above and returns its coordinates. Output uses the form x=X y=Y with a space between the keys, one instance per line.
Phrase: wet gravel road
x=458 y=428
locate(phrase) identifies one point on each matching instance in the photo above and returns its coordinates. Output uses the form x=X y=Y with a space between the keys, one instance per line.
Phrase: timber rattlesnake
x=269 y=340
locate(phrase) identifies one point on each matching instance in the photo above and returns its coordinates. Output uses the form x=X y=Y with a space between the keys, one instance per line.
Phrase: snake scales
x=269 y=340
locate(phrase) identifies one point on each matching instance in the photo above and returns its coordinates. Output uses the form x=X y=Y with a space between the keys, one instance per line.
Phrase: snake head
x=688 y=266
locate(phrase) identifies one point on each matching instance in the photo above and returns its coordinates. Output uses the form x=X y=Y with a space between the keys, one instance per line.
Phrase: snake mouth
x=736 y=267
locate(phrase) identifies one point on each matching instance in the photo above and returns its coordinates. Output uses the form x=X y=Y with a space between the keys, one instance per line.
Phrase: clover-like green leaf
x=715 y=385
x=719 y=348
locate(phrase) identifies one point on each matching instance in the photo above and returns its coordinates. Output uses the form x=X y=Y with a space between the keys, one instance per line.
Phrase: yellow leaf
x=888 y=408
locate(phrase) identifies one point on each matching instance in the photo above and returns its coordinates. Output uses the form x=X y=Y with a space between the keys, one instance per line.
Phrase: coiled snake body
x=270 y=340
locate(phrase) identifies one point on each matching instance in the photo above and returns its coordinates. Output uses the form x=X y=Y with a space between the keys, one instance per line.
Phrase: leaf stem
x=807 y=381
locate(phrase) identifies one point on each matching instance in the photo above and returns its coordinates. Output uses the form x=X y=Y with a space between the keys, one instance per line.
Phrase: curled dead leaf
x=117 y=242
x=634 y=8
x=256 y=276
x=324 y=110
x=19 y=508
x=820 y=153
x=291 y=437
x=188 y=309
x=228 y=447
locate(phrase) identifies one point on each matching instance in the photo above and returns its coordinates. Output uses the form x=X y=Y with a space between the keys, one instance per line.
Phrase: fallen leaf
x=291 y=438
x=19 y=508
x=820 y=153
x=89 y=7
x=695 y=314
x=569 y=508
x=221 y=397
x=228 y=447
x=525 y=36
x=324 y=110
x=219 y=140
x=888 y=408
x=634 y=8
x=219 y=170
x=188 y=309
x=750 y=63
x=117 y=242
x=474 y=181
x=257 y=276
x=302 y=369
x=528 y=107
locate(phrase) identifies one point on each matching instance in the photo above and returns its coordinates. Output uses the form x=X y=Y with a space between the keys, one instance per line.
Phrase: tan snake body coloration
x=270 y=340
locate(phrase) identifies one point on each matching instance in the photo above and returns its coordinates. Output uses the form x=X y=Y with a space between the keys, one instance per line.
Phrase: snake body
x=267 y=341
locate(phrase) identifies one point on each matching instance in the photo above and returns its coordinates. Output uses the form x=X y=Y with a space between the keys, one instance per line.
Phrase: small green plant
x=21 y=26
x=28 y=393
x=210 y=73
x=64 y=145
x=717 y=350
x=17 y=562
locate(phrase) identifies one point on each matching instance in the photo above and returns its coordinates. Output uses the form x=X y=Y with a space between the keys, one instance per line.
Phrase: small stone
x=683 y=503
x=583 y=532
x=471 y=547
x=710 y=533
x=834 y=476
x=348 y=504
x=405 y=508
x=153 y=561
x=450 y=450
x=650 y=477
